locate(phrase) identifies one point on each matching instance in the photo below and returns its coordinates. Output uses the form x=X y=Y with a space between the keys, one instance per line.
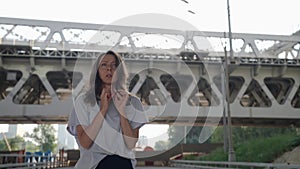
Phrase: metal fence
x=227 y=165
x=32 y=161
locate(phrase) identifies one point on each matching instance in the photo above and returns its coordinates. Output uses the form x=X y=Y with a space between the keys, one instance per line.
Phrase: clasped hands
x=119 y=98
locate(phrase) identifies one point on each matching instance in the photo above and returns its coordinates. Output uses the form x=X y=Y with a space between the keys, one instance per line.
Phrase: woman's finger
x=122 y=92
x=102 y=94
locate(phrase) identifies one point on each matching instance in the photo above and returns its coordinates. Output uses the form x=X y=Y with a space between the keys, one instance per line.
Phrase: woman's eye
x=103 y=66
x=113 y=66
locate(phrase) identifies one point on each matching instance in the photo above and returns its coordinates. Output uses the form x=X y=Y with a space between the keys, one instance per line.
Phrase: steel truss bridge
x=169 y=70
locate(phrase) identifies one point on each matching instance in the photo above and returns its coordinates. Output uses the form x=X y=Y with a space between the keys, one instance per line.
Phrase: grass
x=255 y=150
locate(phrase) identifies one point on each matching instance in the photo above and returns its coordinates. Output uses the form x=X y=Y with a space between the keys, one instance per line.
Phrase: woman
x=107 y=117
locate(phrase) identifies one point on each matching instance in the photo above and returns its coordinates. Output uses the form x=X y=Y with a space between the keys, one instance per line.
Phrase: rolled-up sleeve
x=78 y=116
x=72 y=123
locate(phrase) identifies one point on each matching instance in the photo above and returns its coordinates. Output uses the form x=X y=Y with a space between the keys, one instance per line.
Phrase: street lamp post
x=231 y=154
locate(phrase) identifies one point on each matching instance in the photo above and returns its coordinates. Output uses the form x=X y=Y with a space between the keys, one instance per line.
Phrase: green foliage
x=175 y=135
x=217 y=136
x=296 y=141
x=257 y=149
x=43 y=134
x=31 y=147
x=241 y=134
x=190 y=133
x=264 y=149
x=3 y=146
x=161 y=145
x=216 y=155
x=190 y=157
x=16 y=143
x=252 y=144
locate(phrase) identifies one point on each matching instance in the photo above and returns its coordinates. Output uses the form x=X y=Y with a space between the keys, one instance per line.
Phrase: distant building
x=14 y=130
x=142 y=142
x=65 y=140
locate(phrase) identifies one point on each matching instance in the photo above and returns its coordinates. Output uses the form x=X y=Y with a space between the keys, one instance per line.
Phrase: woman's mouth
x=109 y=76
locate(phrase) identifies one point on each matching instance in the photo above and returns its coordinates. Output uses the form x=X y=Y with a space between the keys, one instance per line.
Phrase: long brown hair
x=96 y=84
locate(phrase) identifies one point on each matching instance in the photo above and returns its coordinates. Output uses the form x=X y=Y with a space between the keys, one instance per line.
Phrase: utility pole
x=225 y=127
x=6 y=141
x=231 y=154
x=229 y=32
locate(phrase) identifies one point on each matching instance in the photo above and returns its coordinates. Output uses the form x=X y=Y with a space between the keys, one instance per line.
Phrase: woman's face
x=107 y=68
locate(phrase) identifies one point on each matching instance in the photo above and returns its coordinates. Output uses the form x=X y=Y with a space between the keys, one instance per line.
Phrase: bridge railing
x=223 y=164
x=70 y=36
x=31 y=161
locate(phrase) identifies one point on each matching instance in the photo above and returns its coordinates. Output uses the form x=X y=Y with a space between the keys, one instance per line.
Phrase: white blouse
x=110 y=139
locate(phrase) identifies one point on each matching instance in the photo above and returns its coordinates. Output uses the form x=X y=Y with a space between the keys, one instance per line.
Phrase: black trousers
x=114 y=162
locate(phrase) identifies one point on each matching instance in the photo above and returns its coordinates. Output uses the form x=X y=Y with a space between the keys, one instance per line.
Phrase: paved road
x=156 y=168
x=150 y=167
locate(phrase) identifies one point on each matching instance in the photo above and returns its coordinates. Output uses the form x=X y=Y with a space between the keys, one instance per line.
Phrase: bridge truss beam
x=38 y=76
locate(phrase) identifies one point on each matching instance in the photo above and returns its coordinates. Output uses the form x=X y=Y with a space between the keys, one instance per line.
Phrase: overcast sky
x=248 y=16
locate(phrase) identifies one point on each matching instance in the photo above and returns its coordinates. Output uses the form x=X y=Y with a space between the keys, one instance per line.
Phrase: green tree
x=161 y=145
x=189 y=134
x=199 y=134
x=244 y=133
x=16 y=143
x=241 y=134
x=218 y=135
x=176 y=135
x=44 y=135
x=31 y=147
